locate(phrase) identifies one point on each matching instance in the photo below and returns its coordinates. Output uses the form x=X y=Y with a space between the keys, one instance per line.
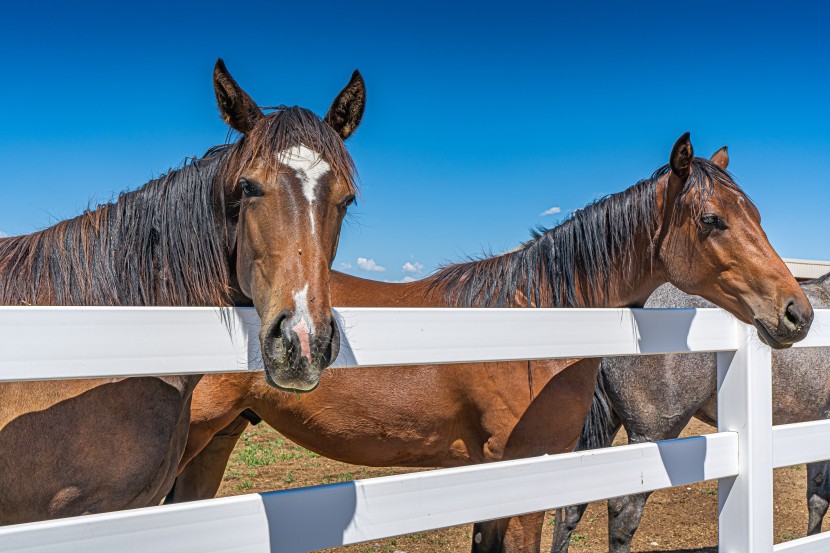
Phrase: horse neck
x=631 y=283
x=632 y=277
x=351 y=291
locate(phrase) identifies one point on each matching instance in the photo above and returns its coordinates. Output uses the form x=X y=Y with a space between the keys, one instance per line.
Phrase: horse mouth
x=271 y=382
x=768 y=338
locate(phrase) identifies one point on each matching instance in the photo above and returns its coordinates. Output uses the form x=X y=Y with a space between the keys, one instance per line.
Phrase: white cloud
x=3 y=234
x=414 y=268
x=345 y=266
x=552 y=211
x=403 y=280
x=369 y=265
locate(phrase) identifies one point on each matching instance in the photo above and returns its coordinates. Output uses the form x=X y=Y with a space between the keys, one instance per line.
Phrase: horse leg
x=818 y=494
x=522 y=534
x=566 y=521
x=624 y=515
x=598 y=431
x=202 y=476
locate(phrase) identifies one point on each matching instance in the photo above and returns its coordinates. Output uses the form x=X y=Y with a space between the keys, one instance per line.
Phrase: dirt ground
x=681 y=519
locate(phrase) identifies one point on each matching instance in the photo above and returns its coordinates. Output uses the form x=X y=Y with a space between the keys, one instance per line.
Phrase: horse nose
x=295 y=353
x=298 y=336
x=797 y=318
x=289 y=339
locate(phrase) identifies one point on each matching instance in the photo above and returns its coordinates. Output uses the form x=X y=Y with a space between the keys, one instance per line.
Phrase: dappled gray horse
x=654 y=397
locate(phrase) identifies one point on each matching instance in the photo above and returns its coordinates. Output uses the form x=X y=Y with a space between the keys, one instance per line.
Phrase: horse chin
x=768 y=338
x=287 y=384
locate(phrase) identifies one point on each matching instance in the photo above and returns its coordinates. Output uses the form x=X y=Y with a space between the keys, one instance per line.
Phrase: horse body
x=654 y=397
x=207 y=234
x=612 y=253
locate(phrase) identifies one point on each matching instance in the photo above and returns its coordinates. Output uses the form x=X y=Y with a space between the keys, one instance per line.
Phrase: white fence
x=53 y=343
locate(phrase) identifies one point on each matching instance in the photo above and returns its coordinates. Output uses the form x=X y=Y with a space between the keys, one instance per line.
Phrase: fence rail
x=41 y=343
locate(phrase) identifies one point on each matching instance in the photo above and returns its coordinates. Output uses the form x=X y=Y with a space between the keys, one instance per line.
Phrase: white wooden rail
x=54 y=343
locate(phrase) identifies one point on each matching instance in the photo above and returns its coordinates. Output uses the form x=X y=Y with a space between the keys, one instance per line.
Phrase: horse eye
x=347 y=202
x=710 y=220
x=250 y=190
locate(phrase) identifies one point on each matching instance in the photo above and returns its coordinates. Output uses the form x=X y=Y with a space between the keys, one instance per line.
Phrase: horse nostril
x=332 y=344
x=276 y=327
x=793 y=316
x=273 y=337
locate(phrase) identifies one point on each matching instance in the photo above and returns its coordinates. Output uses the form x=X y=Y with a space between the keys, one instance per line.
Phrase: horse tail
x=601 y=423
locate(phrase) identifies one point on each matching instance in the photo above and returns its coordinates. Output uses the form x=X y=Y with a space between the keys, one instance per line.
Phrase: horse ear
x=346 y=111
x=237 y=108
x=681 y=157
x=721 y=158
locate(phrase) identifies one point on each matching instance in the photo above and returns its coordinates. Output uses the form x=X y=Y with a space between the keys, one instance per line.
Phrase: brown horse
x=254 y=222
x=689 y=224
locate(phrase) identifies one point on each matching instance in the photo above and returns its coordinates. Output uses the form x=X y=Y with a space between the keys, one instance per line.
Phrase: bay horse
x=655 y=396
x=689 y=224
x=255 y=222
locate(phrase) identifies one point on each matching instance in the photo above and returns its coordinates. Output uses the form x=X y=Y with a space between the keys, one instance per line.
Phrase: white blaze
x=310 y=168
x=301 y=321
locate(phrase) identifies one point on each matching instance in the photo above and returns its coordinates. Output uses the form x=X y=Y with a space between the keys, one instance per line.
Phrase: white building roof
x=807 y=268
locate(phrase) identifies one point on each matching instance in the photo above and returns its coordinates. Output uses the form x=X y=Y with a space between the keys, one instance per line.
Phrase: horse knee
x=624 y=514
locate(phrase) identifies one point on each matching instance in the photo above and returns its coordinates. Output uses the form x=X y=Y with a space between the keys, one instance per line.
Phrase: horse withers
x=689 y=224
x=255 y=222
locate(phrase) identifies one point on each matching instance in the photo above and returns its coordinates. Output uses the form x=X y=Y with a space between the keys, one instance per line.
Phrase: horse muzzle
x=295 y=353
x=792 y=325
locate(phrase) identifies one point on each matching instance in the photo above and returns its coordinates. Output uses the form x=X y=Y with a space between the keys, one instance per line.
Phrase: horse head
x=288 y=184
x=710 y=243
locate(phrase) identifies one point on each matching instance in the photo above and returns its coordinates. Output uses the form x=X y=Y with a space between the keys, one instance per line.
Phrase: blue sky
x=479 y=117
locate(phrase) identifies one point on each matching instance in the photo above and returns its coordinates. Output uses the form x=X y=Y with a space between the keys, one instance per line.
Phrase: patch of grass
x=244 y=485
x=579 y=540
x=288 y=478
x=256 y=453
x=336 y=478
x=787 y=536
x=710 y=492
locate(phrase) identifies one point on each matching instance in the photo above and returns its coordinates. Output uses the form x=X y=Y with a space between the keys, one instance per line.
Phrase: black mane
x=159 y=245
x=586 y=246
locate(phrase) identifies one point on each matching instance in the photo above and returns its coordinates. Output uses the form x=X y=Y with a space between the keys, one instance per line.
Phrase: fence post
x=745 y=406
